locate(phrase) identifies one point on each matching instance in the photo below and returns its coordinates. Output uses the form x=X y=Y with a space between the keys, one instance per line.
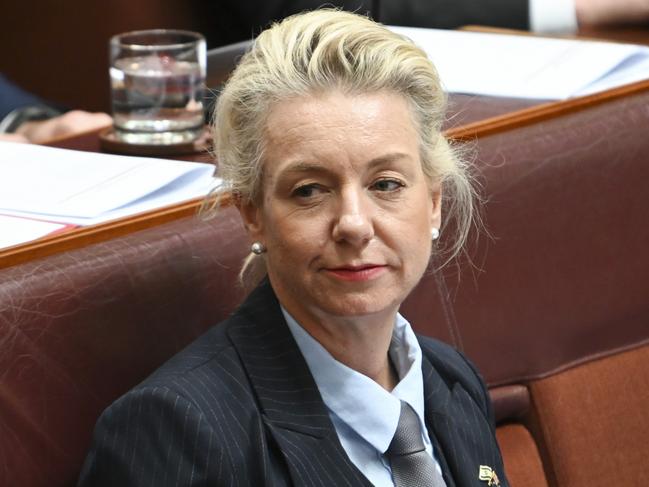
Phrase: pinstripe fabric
x=239 y=407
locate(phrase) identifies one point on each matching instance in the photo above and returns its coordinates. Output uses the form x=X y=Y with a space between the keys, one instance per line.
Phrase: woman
x=328 y=134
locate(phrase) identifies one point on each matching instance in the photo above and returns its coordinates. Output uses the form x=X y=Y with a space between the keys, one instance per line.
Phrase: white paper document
x=528 y=66
x=84 y=188
x=14 y=230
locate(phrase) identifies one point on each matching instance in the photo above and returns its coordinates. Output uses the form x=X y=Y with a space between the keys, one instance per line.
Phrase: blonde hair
x=327 y=50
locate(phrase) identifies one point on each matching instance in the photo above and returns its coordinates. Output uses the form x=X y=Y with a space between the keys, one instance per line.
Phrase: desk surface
x=470 y=117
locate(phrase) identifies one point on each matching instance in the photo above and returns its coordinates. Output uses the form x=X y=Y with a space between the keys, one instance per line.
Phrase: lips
x=364 y=272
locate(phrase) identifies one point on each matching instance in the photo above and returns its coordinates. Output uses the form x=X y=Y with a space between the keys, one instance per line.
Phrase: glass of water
x=157 y=79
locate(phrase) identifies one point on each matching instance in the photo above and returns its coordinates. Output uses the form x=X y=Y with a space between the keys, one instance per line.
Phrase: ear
x=436 y=208
x=251 y=215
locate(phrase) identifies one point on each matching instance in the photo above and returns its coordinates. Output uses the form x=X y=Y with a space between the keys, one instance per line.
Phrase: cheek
x=419 y=260
x=420 y=246
x=415 y=241
x=411 y=226
x=292 y=241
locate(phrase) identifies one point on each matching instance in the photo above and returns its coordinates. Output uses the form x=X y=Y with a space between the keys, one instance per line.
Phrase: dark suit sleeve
x=12 y=97
x=155 y=437
x=481 y=394
x=17 y=106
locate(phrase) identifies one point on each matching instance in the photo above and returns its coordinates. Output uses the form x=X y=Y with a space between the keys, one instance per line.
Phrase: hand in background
x=13 y=138
x=70 y=123
x=600 y=12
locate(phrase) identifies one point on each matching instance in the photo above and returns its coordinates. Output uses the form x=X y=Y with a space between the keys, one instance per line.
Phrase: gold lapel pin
x=487 y=474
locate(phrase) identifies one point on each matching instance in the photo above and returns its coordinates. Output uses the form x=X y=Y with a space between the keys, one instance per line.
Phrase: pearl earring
x=434 y=233
x=257 y=248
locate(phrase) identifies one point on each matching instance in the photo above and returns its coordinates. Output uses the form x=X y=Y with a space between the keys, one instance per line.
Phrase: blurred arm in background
x=607 y=12
x=24 y=117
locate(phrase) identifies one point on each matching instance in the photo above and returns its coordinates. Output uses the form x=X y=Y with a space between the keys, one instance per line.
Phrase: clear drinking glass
x=157 y=79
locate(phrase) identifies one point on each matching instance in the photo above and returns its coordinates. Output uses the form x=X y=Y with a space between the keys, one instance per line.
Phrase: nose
x=353 y=223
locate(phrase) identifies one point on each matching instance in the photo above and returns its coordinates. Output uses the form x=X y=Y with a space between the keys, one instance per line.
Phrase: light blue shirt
x=364 y=414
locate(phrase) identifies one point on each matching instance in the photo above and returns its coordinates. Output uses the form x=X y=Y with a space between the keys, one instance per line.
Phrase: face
x=346 y=211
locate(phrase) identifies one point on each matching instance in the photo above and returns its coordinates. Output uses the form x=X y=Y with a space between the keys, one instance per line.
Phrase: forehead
x=336 y=126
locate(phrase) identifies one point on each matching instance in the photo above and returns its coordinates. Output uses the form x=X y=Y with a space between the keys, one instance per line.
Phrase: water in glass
x=157 y=99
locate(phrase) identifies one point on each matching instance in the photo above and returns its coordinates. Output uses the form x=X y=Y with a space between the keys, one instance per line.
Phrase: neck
x=359 y=342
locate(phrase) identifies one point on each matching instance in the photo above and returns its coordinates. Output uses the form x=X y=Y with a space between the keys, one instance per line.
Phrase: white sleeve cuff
x=553 y=16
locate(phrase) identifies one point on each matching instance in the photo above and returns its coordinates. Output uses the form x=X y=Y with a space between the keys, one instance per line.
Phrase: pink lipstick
x=357 y=273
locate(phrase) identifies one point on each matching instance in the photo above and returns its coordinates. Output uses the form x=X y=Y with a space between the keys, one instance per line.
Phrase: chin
x=359 y=305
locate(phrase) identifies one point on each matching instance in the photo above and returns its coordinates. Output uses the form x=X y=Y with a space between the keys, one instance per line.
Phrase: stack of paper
x=528 y=66
x=44 y=184
x=16 y=230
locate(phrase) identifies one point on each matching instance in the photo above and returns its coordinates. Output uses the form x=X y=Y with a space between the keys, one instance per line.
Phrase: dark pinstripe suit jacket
x=239 y=407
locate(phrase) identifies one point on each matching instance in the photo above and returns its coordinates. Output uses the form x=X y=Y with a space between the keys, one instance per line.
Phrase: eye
x=387 y=185
x=307 y=191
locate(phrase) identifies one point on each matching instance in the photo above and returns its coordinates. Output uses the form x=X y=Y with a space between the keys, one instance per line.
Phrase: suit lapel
x=437 y=398
x=457 y=428
x=290 y=403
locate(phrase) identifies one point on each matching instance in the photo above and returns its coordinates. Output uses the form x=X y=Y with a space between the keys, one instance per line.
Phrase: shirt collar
x=371 y=411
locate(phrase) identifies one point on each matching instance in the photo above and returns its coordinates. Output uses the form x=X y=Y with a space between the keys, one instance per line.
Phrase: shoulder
x=158 y=435
x=452 y=365
x=183 y=422
x=455 y=368
x=206 y=374
x=201 y=355
x=211 y=370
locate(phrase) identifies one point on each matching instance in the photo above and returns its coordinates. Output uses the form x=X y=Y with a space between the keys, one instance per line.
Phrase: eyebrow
x=307 y=167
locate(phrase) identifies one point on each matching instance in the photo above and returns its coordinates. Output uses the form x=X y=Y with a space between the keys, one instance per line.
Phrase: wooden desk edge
x=83 y=237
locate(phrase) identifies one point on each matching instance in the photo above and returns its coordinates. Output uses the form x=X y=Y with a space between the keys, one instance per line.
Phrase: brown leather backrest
x=79 y=329
x=563 y=278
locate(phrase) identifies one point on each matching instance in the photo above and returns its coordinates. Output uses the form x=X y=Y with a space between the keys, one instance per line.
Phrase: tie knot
x=407 y=438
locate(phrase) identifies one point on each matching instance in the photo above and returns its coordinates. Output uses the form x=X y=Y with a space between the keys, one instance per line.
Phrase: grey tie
x=411 y=465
